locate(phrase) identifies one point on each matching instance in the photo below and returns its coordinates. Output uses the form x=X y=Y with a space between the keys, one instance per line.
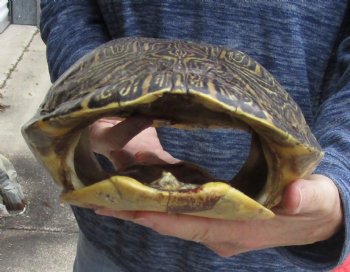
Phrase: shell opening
x=87 y=168
x=253 y=179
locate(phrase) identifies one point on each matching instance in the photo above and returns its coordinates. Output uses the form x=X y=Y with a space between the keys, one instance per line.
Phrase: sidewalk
x=44 y=237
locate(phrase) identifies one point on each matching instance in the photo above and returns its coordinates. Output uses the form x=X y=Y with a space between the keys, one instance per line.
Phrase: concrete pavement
x=43 y=238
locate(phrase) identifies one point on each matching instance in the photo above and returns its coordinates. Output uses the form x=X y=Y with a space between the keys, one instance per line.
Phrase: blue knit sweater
x=304 y=44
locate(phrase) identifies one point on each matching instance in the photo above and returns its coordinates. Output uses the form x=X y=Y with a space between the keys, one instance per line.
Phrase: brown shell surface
x=126 y=69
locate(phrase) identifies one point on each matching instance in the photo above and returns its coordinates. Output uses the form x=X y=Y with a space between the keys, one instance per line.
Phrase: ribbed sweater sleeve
x=332 y=129
x=70 y=30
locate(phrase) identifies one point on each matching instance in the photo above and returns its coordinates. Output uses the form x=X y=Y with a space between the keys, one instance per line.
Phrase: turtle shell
x=182 y=84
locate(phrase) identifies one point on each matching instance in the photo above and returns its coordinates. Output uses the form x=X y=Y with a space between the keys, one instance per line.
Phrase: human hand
x=126 y=142
x=310 y=211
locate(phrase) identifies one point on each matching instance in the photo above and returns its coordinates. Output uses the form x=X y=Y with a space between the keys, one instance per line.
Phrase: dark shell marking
x=128 y=68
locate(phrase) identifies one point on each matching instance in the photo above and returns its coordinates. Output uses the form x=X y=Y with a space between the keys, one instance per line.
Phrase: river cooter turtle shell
x=182 y=84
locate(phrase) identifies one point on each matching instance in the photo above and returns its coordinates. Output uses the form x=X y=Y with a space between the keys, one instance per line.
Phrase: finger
x=125 y=215
x=185 y=227
x=110 y=120
x=119 y=135
x=158 y=157
x=121 y=159
x=291 y=200
x=226 y=238
x=309 y=196
x=227 y=249
x=106 y=135
x=319 y=194
x=146 y=157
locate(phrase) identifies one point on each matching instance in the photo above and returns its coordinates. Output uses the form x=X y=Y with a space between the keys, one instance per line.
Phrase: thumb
x=306 y=195
x=291 y=199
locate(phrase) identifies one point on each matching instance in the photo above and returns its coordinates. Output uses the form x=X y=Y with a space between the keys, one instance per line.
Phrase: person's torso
x=294 y=40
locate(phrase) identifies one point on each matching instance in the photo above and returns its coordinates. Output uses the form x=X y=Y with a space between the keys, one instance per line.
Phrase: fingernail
x=145 y=156
x=298 y=208
x=144 y=222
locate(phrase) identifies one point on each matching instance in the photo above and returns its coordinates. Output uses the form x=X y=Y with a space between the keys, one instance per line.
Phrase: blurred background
x=43 y=236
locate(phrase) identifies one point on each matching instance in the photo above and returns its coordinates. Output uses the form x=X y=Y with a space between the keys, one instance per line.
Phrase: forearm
x=332 y=130
x=70 y=30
